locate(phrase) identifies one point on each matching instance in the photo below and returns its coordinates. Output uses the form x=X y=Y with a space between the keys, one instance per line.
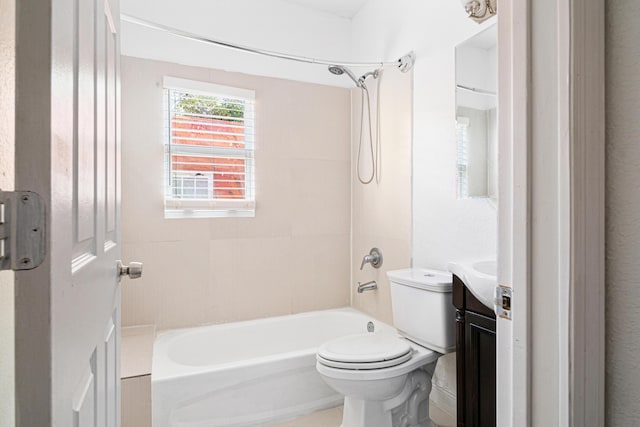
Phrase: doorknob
x=133 y=270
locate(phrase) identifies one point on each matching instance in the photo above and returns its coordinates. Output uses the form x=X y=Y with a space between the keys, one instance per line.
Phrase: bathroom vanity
x=475 y=280
x=475 y=359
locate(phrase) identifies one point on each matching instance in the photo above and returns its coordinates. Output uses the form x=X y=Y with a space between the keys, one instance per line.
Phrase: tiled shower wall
x=382 y=209
x=292 y=257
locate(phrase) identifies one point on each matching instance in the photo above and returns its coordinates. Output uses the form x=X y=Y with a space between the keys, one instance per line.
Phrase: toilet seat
x=365 y=352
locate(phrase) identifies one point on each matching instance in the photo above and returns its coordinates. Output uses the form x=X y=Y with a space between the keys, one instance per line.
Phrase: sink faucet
x=374 y=257
x=369 y=286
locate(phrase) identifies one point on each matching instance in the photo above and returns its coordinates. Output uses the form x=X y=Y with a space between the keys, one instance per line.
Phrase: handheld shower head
x=339 y=70
x=374 y=74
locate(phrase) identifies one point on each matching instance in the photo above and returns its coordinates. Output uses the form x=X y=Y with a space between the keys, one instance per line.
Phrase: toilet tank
x=423 y=310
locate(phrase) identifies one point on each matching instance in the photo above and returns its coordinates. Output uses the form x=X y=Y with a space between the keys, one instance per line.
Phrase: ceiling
x=343 y=8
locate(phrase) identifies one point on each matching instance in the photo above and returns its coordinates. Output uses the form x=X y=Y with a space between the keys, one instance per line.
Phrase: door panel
x=84 y=404
x=111 y=372
x=112 y=171
x=86 y=141
x=96 y=201
x=67 y=150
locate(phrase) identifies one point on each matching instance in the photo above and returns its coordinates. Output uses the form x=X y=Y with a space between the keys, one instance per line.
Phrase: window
x=209 y=150
x=462 y=129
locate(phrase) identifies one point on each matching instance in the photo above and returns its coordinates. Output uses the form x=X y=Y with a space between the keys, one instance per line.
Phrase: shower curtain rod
x=405 y=63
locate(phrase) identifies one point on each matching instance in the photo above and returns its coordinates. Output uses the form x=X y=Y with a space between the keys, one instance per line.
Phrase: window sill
x=204 y=213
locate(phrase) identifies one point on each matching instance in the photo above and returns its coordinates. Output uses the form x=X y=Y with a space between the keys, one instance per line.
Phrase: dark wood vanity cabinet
x=475 y=359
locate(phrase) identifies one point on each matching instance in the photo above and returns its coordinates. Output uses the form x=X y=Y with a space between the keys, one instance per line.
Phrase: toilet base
x=410 y=408
x=360 y=413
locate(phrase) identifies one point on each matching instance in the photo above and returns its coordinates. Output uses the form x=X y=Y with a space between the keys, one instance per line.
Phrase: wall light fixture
x=480 y=10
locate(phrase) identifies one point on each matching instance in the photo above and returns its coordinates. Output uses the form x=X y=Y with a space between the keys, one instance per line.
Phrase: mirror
x=476 y=116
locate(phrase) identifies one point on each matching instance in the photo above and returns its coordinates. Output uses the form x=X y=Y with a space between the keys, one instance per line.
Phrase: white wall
x=274 y=25
x=623 y=213
x=476 y=67
x=7 y=116
x=381 y=211
x=445 y=228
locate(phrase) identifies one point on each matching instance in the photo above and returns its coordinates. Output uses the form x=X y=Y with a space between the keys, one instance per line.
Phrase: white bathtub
x=250 y=373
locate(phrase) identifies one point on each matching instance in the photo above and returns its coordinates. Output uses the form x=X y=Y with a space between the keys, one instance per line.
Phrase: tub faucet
x=369 y=286
x=374 y=257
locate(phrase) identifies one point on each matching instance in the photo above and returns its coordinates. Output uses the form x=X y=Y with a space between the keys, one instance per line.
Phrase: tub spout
x=369 y=286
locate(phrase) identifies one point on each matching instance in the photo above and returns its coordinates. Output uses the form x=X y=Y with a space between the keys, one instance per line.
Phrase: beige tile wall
x=293 y=256
x=382 y=211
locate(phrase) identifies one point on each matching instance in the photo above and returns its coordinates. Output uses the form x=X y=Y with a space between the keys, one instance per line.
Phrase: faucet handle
x=365 y=259
x=374 y=257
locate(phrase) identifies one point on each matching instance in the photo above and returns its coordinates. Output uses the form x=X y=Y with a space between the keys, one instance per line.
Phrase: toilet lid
x=365 y=351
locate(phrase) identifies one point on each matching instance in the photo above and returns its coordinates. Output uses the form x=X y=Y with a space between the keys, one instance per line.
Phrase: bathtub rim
x=172 y=370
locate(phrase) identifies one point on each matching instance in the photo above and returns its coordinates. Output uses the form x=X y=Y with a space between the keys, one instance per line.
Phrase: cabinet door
x=480 y=370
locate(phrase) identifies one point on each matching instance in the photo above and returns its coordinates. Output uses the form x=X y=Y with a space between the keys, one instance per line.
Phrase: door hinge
x=22 y=230
x=503 y=301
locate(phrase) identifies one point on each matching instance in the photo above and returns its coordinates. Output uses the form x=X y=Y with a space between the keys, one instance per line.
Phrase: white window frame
x=211 y=208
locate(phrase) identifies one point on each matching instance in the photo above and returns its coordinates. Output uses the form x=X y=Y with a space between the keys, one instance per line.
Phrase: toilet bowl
x=385 y=377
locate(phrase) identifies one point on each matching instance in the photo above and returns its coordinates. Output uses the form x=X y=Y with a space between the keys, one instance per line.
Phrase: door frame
x=577 y=200
x=33 y=292
x=583 y=38
x=512 y=336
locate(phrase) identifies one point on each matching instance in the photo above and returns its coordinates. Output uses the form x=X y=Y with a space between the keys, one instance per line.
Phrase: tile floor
x=327 y=418
x=333 y=417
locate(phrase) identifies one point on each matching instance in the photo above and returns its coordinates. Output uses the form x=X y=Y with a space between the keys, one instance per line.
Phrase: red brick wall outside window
x=229 y=173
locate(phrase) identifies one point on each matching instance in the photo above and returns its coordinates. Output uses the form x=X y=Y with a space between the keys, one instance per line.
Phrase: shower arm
x=405 y=63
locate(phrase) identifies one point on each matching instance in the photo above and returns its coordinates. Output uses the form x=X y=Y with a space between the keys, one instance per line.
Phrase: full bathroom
x=319 y=213
x=293 y=198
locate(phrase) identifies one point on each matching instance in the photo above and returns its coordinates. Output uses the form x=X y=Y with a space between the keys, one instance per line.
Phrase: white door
x=67 y=150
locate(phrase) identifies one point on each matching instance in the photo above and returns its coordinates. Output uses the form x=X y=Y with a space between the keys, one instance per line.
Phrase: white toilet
x=386 y=378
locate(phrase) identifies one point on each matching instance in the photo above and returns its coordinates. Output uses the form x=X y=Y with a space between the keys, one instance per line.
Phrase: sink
x=480 y=277
x=489 y=268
